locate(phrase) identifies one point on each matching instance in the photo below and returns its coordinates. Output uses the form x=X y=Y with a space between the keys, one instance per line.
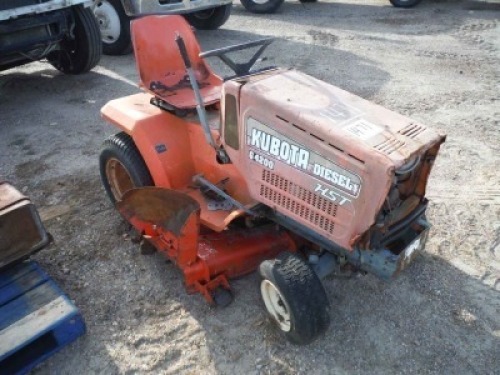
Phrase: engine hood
x=329 y=113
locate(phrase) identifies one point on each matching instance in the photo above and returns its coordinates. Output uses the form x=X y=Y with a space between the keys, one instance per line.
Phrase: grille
x=389 y=145
x=412 y=130
x=303 y=203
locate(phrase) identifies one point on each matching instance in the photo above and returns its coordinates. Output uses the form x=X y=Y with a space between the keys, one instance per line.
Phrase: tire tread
x=122 y=146
x=304 y=294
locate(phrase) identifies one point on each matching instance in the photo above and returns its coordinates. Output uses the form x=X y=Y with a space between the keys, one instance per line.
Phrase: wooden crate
x=36 y=318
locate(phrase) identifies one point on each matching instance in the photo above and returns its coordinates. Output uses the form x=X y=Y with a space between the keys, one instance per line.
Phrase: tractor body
x=264 y=162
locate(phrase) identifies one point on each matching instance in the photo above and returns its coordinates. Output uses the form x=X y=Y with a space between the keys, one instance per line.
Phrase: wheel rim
x=108 y=20
x=276 y=305
x=118 y=178
x=260 y=2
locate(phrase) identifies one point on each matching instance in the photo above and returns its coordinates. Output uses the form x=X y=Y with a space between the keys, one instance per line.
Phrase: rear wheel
x=295 y=298
x=209 y=19
x=114 y=25
x=262 y=6
x=404 y=3
x=83 y=52
x=122 y=167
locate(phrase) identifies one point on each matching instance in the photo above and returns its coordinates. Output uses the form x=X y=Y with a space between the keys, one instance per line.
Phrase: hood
x=329 y=113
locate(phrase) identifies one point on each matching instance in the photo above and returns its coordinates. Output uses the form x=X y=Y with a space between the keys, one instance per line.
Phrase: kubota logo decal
x=265 y=142
x=280 y=149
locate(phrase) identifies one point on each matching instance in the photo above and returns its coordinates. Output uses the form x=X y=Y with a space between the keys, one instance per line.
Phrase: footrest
x=36 y=318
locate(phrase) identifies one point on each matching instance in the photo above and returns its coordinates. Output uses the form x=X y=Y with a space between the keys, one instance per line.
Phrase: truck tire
x=209 y=19
x=84 y=52
x=404 y=3
x=295 y=298
x=115 y=27
x=122 y=167
x=262 y=6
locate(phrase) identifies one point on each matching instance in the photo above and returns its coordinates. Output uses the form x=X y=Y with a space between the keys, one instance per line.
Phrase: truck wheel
x=404 y=3
x=122 y=166
x=209 y=19
x=115 y=27
x=262 y=6
x=83 y=52
x=295 y=298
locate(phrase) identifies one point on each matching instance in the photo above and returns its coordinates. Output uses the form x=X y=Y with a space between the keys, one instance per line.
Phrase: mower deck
x=170 y=220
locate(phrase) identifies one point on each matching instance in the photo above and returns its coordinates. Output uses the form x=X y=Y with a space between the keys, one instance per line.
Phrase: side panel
x=162 y=139
x=295 y=180
x=175 y=150
x=308 y=179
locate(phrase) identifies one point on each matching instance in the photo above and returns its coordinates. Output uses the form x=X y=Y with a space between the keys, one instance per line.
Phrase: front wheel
x=262 y=6
x=295 y=298
x=404 y=3
x=82 y=53
x=114 y=25
x=209 y=19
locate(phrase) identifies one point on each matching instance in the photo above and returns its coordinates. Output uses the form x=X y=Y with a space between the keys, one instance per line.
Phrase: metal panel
x=21 y=230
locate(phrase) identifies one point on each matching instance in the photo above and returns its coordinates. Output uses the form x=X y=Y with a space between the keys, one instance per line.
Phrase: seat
x=161 y=68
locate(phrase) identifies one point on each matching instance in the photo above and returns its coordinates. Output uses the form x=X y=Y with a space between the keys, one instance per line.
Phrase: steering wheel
x=240 y=69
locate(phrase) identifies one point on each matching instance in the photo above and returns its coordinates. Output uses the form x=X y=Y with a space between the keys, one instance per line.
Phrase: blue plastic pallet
x=36 y=318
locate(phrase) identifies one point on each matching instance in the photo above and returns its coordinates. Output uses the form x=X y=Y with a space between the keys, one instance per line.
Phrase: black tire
x=308 y=1
x=115 y=27
x=301 y=296
x=209 y=19
x=82 y=53
x=119 y=155
x=404 y=3
x=269 y=6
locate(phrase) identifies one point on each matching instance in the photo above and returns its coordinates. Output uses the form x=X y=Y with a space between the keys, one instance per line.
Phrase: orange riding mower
x=269 y=169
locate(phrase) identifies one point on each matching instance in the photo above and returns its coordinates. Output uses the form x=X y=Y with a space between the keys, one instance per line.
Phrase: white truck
x=114 y=17
x=64 y=32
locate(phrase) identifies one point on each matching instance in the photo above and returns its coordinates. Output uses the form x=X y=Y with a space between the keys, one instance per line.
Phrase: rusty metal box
x=21 y=230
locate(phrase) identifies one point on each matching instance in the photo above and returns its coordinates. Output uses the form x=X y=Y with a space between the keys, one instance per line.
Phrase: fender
x=161 y=138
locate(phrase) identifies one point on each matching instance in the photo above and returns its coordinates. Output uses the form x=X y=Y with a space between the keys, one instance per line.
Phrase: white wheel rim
x=276 y=305
x=260 y=2
x=108 y=20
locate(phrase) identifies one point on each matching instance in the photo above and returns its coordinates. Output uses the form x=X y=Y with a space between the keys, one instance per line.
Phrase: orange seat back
x=161 y=68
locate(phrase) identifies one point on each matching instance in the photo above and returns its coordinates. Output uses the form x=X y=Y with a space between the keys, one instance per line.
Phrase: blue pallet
x=36 y=318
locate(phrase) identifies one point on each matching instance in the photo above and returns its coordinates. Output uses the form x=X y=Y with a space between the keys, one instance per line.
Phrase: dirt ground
x=437 y=63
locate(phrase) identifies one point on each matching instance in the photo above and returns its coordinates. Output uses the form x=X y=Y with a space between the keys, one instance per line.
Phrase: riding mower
x=268 y=169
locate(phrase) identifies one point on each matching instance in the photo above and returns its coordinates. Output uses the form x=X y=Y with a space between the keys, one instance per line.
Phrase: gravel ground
x=437 y=63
